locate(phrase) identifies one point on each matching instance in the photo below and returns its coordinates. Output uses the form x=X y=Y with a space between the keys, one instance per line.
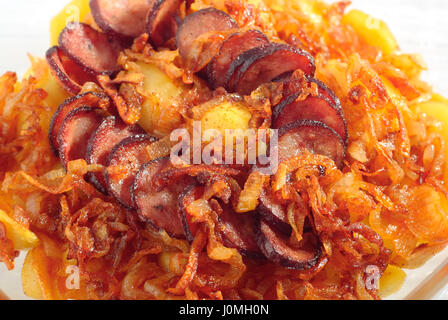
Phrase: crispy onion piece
x=190 y=271
x=61 y=181
x=127 y=101
x=302 y=164
x=248 y=199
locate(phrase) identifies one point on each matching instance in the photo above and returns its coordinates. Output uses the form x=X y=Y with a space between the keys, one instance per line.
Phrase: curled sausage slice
x=89 y=99
x=277 y=248
x=236 y=230
x=121 y=17
x=162 y=21
x=273 y=212
x=319 y=108
x=326 y=92
x=313 y=136
x=111 y=131
x=75 y=132
x=91 y=49
x=231 y=48
x=159 y=207
x=198 y=37
x=70 y=75
x=123 y=164
x=266 y=63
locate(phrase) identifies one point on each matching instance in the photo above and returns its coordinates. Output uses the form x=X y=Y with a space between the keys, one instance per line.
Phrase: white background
x=420 y=26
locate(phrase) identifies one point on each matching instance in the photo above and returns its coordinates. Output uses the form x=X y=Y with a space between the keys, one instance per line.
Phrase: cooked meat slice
x=91 y=49
x=231 y=48
x=277 y=247
x=75 y=132
x=111 y=131
x=159 y=207
x=122 y=17
x=123 y=164
x=313 y=136
x=70 y=75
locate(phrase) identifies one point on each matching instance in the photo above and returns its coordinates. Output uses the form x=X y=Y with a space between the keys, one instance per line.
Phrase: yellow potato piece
x=391 y=281
x=226 y=116
x=31 y=281
x=157 y=115
x=19 y=235
x=56 y=94
x=76 y=10
x=374 y=31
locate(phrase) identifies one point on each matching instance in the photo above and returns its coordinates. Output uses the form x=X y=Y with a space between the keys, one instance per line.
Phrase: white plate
x=419 y=26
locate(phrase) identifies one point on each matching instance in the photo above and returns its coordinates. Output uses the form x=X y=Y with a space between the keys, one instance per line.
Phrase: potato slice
x=19 y=235
x=374 y=31
x=31 y=280
x=226 y=115
x=159 y=115
x=76 y=10
x=391 y=281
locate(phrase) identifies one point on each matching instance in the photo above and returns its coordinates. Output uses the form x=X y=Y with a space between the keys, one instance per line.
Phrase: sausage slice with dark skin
x=75 y=132
x=313 y=136
x=324 y=107
x=277 y=247
x=318 y=108
x=161 y=21
x=236 y=230
x=160 y=208
x=95 y=51
x=266 y=63
x=89 y=99
x=231 y=48
x=70 y=75
x=205 y=21
x=111 y=131
x=123 y=163
x=126 y=18
x=273 y=212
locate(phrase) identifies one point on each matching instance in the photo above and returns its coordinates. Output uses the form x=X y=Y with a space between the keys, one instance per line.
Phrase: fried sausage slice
x=277 y=247
x=110 y=132
x=266 y=63
x=91 y=49
x=126 y=18
x=236 y=230
x=231 y=48
x=319 y=108
x=273 y=212
x=69 y=74
x=159 y=207
x=162 y=22
x=88 y=99
x=123 y=163
x=75 y=132
x=313 y=136
x=198 y=37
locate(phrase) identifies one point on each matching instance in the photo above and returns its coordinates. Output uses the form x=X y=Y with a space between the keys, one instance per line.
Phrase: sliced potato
x=223 y=113
x=159 y=114
x=391 y=281
x=31 y=281
x=76 y=10
x=19 y=235
x=374 y=31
